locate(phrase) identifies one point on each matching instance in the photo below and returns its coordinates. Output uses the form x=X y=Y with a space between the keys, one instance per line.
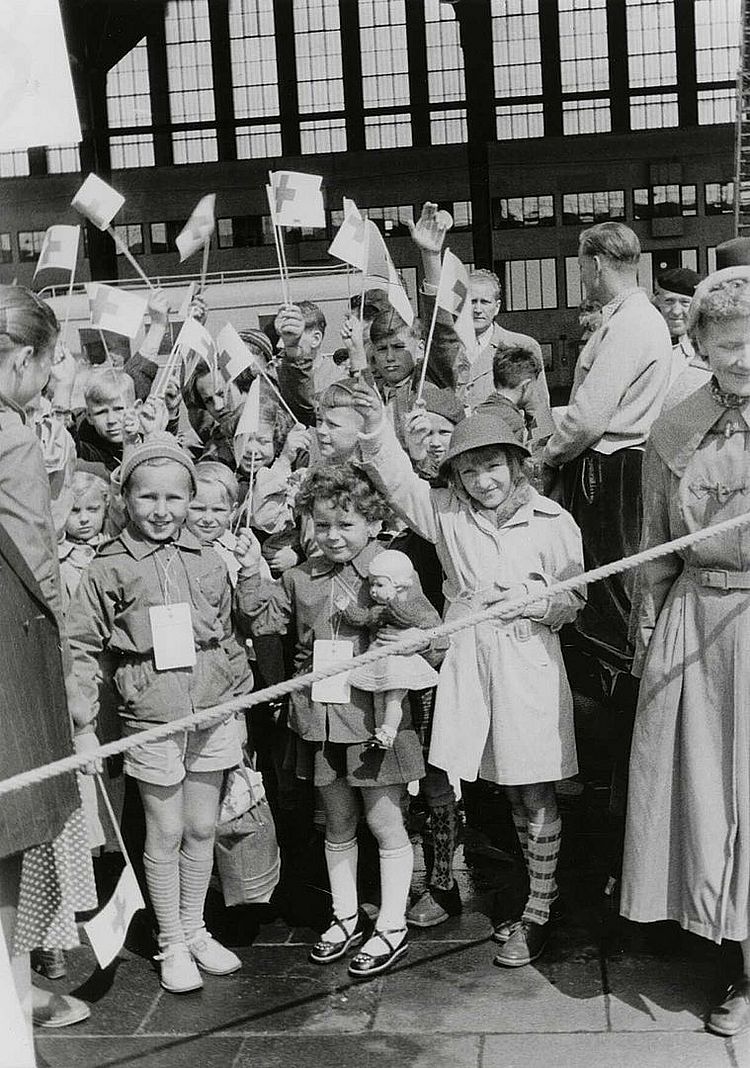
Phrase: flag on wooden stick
x=350 y=242
x=453 y=296
x=232 y=356
x=382 y=274
x=198 y=229
x=298 y=200
x=98 y=201
x=248 y=422
x=59 y=249
x=194 y=344
x=116 y=309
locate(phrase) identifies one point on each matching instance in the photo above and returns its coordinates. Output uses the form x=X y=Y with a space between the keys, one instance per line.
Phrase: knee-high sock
x=341 y=861
x=163 y=881
x=195 y=875
x=544 y=849
x=443 y=833
x=396 y=867
x=521 y=823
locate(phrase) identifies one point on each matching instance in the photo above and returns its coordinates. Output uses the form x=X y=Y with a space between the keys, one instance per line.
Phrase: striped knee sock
x=341 y=861
x=163 y=881
x=544 y=849
x=195 y=875
x=521 y=823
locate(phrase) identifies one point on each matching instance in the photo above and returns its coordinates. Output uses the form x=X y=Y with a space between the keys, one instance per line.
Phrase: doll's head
x=216 y=493
x=346 y=510
x=90 y=499
x=391 y=576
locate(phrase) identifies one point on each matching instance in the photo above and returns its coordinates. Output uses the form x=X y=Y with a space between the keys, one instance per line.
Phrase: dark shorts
x=327 y=762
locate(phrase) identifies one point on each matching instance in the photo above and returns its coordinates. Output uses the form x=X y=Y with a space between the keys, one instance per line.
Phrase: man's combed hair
x=313 y=315
x=346 y=487
x=614 y=240
x=481 y=274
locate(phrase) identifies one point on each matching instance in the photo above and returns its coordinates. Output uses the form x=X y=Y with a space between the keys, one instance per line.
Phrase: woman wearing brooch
x=687 y=849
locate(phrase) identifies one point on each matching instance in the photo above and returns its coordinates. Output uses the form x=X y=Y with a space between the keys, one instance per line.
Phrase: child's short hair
x=107 y=385
x=388 y=322
x=337 y=395
x=212 y=473
x=85 y=482
x=314 y=317
x=347 y=486
x=513 y=366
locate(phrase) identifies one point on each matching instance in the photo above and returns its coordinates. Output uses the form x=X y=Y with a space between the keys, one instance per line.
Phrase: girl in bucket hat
x=504 y=710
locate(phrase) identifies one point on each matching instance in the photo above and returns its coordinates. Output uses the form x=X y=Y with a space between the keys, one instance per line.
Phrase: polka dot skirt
x=57 y=880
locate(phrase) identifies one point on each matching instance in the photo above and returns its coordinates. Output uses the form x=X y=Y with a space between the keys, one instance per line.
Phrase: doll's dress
x=394 y=672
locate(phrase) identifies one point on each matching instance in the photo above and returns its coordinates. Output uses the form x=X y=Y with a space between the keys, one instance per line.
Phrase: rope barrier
x=410 y=645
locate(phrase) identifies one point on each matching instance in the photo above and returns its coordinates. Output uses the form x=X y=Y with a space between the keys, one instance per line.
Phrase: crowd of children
x=191 y=571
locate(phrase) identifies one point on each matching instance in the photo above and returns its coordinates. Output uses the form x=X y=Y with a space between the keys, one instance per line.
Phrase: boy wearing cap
x=159 y=602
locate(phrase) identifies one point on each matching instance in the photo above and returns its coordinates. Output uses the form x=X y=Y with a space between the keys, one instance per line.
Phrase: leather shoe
x=502 y=931
x=733 y=1014
x=525 y=944
x=326 y=952
x=61 y=1010
x=365 y=965
x=434 y=906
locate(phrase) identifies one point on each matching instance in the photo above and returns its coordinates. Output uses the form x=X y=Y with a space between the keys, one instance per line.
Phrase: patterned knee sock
x=195 y=875
x=396 y=867
x=544 y=849
x=341 y=861
x=163 y=881
x=521 y=823
x=443 y=834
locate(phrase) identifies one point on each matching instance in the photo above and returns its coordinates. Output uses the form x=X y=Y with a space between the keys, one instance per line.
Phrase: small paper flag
x=59 y=249
x=248 y=422
x=382 y=273
x=116 y=309
x=107 y=930
x=350 y=242
x=98 y=201
x=232 y=355
x=298 y=200
x=453 y=296
x=198 y=229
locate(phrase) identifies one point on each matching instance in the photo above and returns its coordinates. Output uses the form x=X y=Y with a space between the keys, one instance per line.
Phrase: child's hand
x=428 y=233
x=417 y=429
x=173 y=398
x=153 y=416
x=297 y=441
x=85 y=743
x=508 y=594
x=158 y=308
x=131 y=427
x=390 y=635
x=198 y=309
x=283 y=559
x=290 y=325
x=351 y=335
x=367 y=402
x=248 y=553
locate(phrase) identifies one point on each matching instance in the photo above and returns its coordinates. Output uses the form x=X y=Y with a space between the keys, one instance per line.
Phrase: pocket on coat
x=530 y=641
x=213 y=584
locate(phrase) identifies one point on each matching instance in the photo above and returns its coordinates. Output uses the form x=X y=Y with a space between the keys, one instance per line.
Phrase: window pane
x=516 y=48
x=651 y=43
x=387 y=131
x=6 y=254
x=195 y=146
x=445 y=57
x=717 y=39
x=132 y=236
x=385 y=59
x=317 y=38
x=448 y=127
x=30 y=244
x=653 y=112
x=189 y=70
x=519 y=121
x=530 y=284
x=258 y=142
x=323 y=135
x=14 y=164
x=586 y=116
x=128 y=99
x=583 y=46
x=62 y=159
x=253 y=51
x=716 y=105
x=132 y=150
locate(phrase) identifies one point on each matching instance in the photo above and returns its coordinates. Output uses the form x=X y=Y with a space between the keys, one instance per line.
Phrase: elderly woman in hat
x=687 y=849
x=673 y=292
x=503 y=710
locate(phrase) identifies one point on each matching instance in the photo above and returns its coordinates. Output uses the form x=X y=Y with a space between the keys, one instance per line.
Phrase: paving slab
x=457 y=989
x=277 y=991
x=364 y=1051
x=652 y=994
x=73 y=1051
x=598 y=1050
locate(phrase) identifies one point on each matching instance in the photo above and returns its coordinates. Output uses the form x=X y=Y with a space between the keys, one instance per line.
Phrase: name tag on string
x=336 y=690
x=172 y=636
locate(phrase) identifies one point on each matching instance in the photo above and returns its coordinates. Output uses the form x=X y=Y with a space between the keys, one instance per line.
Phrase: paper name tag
x=336 y=690
x=172 y=635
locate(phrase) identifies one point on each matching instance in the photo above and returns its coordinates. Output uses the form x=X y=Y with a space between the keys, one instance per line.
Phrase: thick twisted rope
x=409 y=645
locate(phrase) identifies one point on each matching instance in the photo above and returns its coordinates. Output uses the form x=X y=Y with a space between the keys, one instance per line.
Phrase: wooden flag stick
x=68 y=303
x=130 y=257
x=104 y=342
x=364 y=273
x=278 y=240
x=250 y=488
x=287 y=298
x=276 y=390
x=426 y=356
x=164 y=374
x=204 y=266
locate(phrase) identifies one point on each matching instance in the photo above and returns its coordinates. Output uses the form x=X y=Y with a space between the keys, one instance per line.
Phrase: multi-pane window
x=323 y=135
x=511 y=212
x=244 y=231
x=461 y=212
x=6 y=253
x=445 y=74
x=665 y=201
x=131 y=235
x=30 y=244
x=573 y=287
x=651 y=43
x=716 y=105
x=317 y=41
x=254 y=142
x=190 y=78
x=129 y=105
x=385 y=59
x=517 y=57
x=62 y=159
x=521 y=120
x=392 y=221
x=719 y=198
x=584 y=66
x=14 y=164
x=131 y=150
x=717 y=39
x=529 y=284
x=653 y=111
x=164 y=234
x=585 y=209
x=387 y=131
x=253 y=50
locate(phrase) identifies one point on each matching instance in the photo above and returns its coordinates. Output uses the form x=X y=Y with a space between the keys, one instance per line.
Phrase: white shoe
x=178 y=971
x=211 y=956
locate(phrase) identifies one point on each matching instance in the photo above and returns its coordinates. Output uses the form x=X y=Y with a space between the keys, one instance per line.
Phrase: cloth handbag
x=246 y=850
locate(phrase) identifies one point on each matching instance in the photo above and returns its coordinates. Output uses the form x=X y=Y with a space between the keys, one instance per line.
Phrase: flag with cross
x=350 y=242
x=117 y=310
x=59 y=249
x=194 y=345
x=297 y=199
x=198 y=229
x=383 y=275
x=249 y=420
x=453 y=296
x=232 y=357
x=98 y=201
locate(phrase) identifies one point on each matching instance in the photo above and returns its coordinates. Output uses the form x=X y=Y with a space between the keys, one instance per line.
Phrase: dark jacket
x=36 y=725
x=103 y=456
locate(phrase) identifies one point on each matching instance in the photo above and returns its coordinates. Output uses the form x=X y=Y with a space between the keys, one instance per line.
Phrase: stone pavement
x=604 y=993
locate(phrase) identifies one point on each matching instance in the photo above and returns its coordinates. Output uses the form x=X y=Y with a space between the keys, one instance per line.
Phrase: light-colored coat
x=504 y=710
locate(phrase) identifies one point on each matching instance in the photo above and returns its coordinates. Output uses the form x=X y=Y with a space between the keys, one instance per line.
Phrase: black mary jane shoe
x=365 y=965
x=324 y=952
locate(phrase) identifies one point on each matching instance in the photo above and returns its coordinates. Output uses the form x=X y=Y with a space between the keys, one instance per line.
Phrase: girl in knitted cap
x=159 y=603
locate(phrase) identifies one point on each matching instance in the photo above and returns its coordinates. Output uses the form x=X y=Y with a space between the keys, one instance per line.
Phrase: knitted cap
x=480 y=429
x=156 y=447
x=443 y=402
x=734 y=253
x=258 y=340
x=678 y=280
